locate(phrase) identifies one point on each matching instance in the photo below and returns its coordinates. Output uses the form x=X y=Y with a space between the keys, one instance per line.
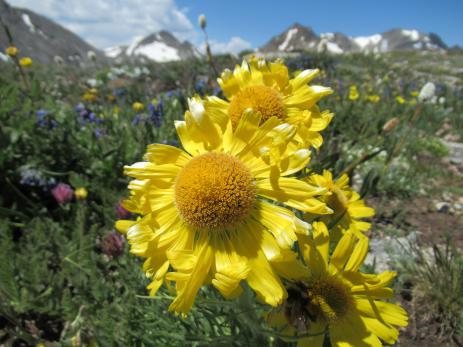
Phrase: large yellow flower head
x=266 y=88
x=349 y=209
x=336 y=297
x=205 y=210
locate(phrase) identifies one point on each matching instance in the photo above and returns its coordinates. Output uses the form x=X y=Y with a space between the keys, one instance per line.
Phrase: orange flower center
x=214 y=191
x=263 y=99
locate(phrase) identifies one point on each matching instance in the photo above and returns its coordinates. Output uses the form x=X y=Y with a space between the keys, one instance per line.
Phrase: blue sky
x=237 y=25
x=257 y=21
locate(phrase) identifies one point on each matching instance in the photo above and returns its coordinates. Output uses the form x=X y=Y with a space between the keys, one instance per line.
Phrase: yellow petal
x=292 y=192
x=147 y=170
x=321 y=240
x=230 y=268
x=188 y=283
x=278 y=220
x=164 y=154
x=386 y=333
x=342 y=252
x=384 y=311
x=352 y=332
x=358 y=255
x=192 y=147
x=123 y=225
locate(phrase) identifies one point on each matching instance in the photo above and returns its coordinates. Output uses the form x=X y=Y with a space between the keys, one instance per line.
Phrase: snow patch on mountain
x=412 y=34
x=113 y=52
x=158 y=51
x=291 y=32
x=328 y=36
x=334 y=48
x=27 y=20
x=135 y=42
x=365 y=41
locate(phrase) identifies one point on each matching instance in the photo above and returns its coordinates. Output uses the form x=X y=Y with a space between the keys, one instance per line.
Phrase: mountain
x=298 y=38
x=160 y=47
x=42 y=39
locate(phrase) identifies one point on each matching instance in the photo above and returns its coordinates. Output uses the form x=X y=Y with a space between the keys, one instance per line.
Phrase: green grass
x=56 y=283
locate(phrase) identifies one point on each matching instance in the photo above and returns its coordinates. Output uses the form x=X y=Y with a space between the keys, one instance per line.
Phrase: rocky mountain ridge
x=300 y=38
x=42 y=39
x=160 y=47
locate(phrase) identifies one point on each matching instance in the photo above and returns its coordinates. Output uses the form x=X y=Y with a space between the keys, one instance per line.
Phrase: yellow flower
x=25 y=62
x=349 y=209
x=138 y=106
x=205 y=210
x=353 y=93
x=12 y=51
x=90 y=95
x=400 y=99
x=415 y=93
x=266 y=88
x=81 y=193
x=337 y=298
x=374 y=98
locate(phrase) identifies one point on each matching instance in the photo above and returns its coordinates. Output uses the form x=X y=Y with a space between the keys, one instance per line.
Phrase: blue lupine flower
x=79 y=107
x=41 y=113
x=136 y=120
x=156 y=112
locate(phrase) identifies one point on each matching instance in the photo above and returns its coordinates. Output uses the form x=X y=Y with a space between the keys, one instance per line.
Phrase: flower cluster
x=231 y=206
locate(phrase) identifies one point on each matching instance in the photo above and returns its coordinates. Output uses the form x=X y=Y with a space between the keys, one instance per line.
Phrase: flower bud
x=427 y=92
x=62 y=193
x=202 y=21
x=113 y=244
x=138 y=106
x=12 y=51
x=25 y=62
x=81 y=193
x=121 y=212
x=390 y=124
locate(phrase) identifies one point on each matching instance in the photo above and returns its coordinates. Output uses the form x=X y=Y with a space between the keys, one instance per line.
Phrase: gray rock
x=455 y=152
x=385 y=253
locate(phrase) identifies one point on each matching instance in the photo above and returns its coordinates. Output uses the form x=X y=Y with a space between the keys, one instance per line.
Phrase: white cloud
x=234 y=45
x=106 y=23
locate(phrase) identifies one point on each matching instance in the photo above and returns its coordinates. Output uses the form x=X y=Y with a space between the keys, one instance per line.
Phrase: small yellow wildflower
x=400 y=99
x=138 y=106
x=25 y=62
x=89 y=96
x=12 y=51
x=348 y=207
x=266 y=87
x=374 y=98
x=353 y=93
x=335 y=296
x=415 y=93
x=81 y=193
